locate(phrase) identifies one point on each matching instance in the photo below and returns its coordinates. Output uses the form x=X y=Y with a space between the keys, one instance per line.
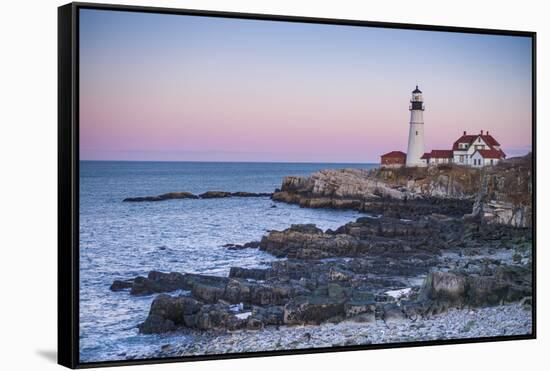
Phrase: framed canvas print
x=235 y=185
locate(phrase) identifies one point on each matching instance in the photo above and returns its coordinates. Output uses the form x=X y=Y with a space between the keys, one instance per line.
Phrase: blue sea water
x=120 y=240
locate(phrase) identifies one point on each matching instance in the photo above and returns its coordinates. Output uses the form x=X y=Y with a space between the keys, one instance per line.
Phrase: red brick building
x=393 y=159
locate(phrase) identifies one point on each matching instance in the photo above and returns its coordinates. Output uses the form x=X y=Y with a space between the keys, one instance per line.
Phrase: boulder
x=120 y=285
x=155 y=324
x=504 y=284
x=312 y=310
x=445 y=286
x=157 y=282
x=360 y=310
x=168 y=312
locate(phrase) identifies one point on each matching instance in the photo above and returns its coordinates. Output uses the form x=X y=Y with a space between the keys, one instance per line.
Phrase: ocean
x=120 y=240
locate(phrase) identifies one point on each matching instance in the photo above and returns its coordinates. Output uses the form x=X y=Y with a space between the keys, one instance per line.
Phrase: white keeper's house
x=470 y=149
x=477 y=150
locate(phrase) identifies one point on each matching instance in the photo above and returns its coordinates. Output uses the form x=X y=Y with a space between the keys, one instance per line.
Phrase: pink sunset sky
x=184 y=88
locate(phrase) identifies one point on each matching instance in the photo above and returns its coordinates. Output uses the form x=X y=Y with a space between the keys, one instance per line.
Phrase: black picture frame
x=68 y=178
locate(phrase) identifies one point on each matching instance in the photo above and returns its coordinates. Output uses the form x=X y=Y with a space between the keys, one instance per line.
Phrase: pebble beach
x=504 y=320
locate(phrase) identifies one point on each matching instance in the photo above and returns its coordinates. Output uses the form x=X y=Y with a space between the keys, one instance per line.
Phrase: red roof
x=397 y=154
x=470 y=138
x=491 y=153
x=490 y=140
x=464 y=139
x=441 y=153
x=437 y=153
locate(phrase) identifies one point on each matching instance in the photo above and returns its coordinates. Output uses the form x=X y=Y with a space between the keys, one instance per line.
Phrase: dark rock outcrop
x=162 y=197
x=248 y=245
x=222 y=194
x=504 y=284
x=215 y=194
x=120 y=285
x=168 y=313
x=184 y=195
x=366 y=235
x=361 y=271
x=312 y=310
x=157 y=282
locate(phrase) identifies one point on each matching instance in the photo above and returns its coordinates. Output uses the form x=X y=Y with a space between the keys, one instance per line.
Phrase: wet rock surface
x=371 y=269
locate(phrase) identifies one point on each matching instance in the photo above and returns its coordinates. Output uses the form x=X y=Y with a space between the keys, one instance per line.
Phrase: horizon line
x=240 y=162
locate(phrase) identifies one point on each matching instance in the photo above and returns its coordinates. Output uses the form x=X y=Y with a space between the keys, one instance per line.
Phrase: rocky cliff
x=400 y=193
x=506 y=194
x=500 y=194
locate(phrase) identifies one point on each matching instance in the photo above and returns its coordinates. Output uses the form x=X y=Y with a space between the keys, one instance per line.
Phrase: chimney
x=487 y=132
x=464 y=132
x=481 y=132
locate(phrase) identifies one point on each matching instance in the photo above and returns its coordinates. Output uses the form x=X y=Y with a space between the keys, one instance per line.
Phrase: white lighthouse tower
x=416 y=130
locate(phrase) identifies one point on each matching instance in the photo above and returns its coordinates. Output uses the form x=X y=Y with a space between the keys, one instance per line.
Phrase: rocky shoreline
x=374 y=268
x=445 y=242
x=505 y=320
x=500 y=194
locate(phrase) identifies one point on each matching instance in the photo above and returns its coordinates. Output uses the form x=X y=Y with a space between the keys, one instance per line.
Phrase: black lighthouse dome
x=415 y=91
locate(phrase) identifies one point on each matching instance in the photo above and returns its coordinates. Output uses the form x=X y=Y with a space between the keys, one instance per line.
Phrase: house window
x=491 y=161
x=461 y=158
